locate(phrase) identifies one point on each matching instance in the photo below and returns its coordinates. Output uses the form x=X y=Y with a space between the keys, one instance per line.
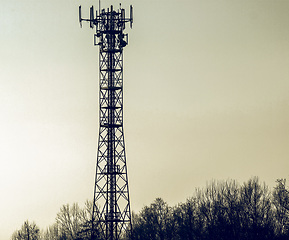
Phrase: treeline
x=221 y=211
x=71 y=223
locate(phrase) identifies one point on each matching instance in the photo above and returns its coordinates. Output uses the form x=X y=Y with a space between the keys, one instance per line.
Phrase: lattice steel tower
x=111 y=218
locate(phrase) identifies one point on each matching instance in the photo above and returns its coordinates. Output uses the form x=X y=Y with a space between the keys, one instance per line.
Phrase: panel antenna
x=79 y=15
x=131 y=16
x=91 y=20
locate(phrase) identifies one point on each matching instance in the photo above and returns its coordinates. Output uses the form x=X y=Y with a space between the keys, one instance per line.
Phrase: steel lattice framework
x=111 y=218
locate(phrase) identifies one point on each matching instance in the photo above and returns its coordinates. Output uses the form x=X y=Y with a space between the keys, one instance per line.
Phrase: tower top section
x=108 y=22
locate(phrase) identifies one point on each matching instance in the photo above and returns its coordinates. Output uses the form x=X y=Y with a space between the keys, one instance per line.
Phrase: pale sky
x=206 y=86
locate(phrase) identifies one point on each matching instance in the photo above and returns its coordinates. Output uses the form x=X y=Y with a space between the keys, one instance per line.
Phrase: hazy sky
x=205 y=97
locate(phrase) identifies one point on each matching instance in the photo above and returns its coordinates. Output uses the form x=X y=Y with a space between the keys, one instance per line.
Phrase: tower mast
x=111 y=217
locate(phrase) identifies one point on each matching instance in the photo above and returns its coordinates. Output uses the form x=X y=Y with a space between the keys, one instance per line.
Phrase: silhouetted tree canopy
x=224 y=210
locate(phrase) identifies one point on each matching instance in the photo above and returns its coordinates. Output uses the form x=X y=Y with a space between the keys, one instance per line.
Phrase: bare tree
x=281 y=203
x=153 y=222
x=68 y=221
x=72 y=222
x=52 y=233
x=188 y=220
x=257 y=214
x=28 y=231
x=281 y=194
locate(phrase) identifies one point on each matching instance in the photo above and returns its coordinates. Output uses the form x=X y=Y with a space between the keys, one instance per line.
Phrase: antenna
x=79 y=16
x=131 y=16
x=123 y=17
x=91 y=17
x=96 y=22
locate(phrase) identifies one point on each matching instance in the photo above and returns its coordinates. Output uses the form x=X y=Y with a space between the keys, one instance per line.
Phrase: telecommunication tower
x=111 y=217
